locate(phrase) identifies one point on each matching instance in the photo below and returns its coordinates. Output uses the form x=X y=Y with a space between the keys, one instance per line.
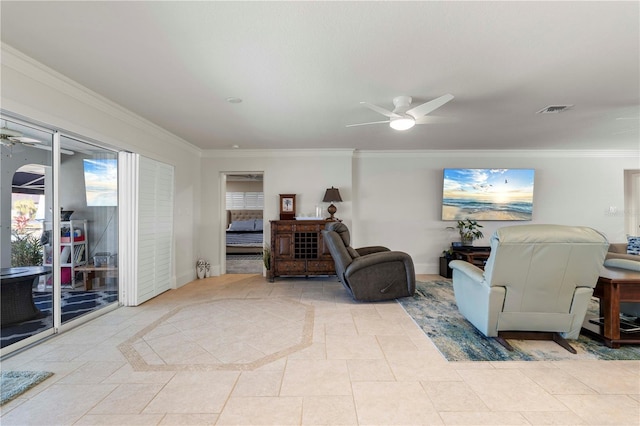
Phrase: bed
x=244 y=232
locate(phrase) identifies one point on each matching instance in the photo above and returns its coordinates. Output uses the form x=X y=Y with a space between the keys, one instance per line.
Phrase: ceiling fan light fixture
x=402 y=123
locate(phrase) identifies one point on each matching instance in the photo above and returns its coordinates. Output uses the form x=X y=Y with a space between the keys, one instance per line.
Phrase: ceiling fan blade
x=25 y=141
x=427 y=107
x=364 y=124
x=380 y=110
x=4 y=131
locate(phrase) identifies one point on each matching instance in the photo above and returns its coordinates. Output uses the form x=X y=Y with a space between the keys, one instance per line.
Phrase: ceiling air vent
x=554 y=109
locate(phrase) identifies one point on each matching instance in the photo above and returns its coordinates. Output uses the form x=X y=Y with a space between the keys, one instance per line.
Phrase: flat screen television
x=487 y=194
x=101 y=181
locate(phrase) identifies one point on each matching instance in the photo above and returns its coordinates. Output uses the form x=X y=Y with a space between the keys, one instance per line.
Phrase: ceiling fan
x=9 y=137
x=403 y=117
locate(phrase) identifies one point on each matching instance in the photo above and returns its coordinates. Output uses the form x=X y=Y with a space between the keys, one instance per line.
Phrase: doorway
x=632 y=202
x=244 y=207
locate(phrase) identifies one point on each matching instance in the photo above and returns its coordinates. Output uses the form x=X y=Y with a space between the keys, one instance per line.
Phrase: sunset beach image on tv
x=487 y=194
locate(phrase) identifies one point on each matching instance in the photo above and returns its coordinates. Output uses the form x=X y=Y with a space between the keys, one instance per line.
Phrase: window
x=245 y=200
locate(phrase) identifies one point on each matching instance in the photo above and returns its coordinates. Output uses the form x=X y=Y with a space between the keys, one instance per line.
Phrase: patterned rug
x=74 y=304
x=434 y=309
x=15 y=383
x=244 y=264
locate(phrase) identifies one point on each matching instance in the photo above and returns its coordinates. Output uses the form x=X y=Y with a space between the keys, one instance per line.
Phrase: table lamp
x=330 y=196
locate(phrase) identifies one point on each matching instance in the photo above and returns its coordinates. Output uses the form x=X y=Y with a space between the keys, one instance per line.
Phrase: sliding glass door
x=27 y=187
x=59 y=234
x=88 y=199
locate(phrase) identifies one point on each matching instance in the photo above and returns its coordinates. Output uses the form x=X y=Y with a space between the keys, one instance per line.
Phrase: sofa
x=619 y=251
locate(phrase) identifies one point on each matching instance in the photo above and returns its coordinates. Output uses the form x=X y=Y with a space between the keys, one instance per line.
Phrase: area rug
x=15 y=383
x=434 y=310
x=74 y=304
x=244 y=264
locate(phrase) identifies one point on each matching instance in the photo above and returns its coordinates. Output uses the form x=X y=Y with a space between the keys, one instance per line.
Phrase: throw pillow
x=633 y=245
x=242 y=225
x=259 y=224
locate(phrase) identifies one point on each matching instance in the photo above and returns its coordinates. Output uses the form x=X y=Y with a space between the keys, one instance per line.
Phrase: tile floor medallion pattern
x=225 y=334
x=434 y=309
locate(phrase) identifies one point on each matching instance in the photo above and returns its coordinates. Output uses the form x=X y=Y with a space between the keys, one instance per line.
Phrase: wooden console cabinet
x=297 y=248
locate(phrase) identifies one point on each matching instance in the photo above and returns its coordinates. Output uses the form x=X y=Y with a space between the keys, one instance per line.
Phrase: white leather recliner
x=538 y=280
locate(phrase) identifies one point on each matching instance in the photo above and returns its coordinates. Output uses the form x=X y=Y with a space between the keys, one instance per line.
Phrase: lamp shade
x=332 y=195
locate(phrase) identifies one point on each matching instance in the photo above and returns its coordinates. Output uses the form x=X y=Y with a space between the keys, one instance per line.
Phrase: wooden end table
x=89 y=273
x=475 y=255
x=614 y=285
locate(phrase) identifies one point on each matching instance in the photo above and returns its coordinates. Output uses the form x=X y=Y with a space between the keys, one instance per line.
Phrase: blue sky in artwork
x=504 y=185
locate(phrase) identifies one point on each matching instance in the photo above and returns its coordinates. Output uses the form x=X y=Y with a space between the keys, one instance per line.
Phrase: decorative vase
x=200 y=269
x=467 y=241
x=207 y=270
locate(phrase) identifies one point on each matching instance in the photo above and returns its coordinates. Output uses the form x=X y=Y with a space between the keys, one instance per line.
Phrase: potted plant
x=469 y=231
x=266 y=257
x=448 y=254
x=26 y=250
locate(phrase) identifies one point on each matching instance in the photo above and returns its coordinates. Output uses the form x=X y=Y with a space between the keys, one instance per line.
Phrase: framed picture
x=287 y=206
x=487 y=194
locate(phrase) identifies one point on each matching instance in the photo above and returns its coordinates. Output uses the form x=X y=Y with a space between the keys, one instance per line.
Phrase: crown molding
x=32 y=69
x=276 y=153
x=507 y=153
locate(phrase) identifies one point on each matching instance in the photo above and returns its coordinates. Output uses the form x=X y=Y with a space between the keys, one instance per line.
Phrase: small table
x=89 y=273
x=477 y=258
x=17 y=295
x=614 y=286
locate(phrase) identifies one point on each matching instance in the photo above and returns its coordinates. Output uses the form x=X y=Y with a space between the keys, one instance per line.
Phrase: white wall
x=39 y=94
x=304 y=173
x=394 y=198
x=244 y=186
x=573 y=188
x=632 y=201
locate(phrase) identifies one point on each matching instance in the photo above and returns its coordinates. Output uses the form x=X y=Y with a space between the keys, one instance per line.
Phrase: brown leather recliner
x=369 y=273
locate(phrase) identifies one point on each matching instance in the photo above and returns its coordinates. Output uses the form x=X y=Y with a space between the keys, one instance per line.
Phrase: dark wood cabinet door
x=284 y=246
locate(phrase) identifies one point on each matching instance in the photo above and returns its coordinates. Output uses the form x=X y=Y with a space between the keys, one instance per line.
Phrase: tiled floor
x=240 y=350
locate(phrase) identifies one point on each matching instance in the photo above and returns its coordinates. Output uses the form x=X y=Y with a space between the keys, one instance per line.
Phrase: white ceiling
x=302 y=68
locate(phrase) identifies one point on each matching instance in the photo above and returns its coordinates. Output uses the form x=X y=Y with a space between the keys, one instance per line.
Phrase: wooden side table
x=445 y=271
x=475 y=255
x=89 y=273
x=614 y=286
